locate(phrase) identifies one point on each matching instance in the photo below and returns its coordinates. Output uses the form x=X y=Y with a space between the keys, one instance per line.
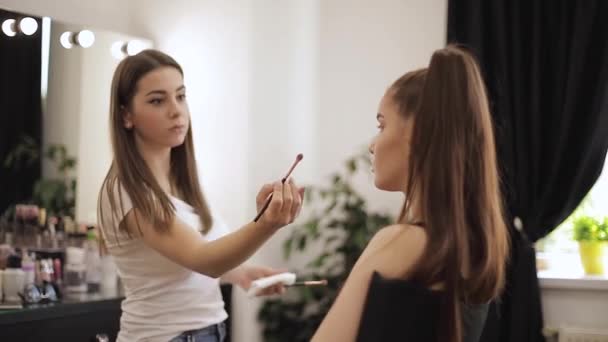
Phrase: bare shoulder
x=401 y=235
x=395 y=249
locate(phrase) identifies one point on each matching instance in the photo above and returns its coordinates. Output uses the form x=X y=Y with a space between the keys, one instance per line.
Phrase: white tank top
x=163 y=299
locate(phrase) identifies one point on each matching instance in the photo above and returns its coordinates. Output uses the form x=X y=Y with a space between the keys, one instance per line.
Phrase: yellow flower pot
x=592 y=256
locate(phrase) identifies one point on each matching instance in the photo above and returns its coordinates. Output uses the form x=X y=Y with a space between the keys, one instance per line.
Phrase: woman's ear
x=127 y=117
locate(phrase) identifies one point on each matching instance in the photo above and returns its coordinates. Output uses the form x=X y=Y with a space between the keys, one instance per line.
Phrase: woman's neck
x=412 y=212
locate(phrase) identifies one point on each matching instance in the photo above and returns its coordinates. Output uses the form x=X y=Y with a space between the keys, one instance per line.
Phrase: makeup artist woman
x=169 y=249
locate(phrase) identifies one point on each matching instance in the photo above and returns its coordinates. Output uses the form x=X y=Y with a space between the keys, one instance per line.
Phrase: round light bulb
x=66 y=40
x=28 y=26
x=85 y=38
x=8 y=27
x=134 y=47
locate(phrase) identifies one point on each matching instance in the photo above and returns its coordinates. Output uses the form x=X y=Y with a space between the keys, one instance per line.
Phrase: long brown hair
x=454 y=177
x=129 y=171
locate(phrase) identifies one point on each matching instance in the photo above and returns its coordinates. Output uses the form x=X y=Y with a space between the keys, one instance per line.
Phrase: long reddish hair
x=453 y=172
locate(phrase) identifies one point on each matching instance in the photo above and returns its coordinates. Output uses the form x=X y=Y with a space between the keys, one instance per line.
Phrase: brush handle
x=268 y=202
x=263 y=209
x=309 y=283
x=298 y=159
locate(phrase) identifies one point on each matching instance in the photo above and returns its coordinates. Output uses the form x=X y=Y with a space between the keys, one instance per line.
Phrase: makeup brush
x=309 y=283
x=293 y=166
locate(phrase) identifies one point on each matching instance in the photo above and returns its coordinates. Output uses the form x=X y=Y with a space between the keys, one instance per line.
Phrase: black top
x=400 y=310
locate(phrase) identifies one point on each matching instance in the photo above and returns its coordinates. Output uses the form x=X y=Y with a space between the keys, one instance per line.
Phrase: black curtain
x=20 y=108
x=546 y=67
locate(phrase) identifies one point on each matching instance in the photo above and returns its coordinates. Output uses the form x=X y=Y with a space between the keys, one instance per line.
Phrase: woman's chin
x=384 y=185
x=379 y=184
x=177 y=142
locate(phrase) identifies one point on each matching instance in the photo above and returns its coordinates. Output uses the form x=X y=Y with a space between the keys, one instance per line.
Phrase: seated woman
x=430 y=276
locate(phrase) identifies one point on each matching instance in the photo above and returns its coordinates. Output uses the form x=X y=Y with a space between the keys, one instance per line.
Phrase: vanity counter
x=77 y=317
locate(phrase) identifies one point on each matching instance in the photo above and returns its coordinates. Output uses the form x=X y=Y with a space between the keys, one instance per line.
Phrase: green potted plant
x=592 y=237
x=334 y=235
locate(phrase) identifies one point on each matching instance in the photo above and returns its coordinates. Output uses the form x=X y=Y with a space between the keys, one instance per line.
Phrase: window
x=558 y=251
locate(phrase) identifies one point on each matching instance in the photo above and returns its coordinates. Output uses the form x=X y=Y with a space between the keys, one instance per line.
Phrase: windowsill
x=563 y=271
x=556 y=280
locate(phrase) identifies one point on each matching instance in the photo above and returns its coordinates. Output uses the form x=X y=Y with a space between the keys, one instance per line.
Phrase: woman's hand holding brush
x=279 y=203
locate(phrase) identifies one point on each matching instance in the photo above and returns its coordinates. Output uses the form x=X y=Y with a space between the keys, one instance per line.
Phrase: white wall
x=106 y=14
x=364 y=47
x=578 y=308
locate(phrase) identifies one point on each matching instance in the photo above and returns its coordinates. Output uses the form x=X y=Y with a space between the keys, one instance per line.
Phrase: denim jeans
x=214 y=333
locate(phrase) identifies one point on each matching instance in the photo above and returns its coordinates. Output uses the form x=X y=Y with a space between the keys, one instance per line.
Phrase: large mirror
x=54 y=98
